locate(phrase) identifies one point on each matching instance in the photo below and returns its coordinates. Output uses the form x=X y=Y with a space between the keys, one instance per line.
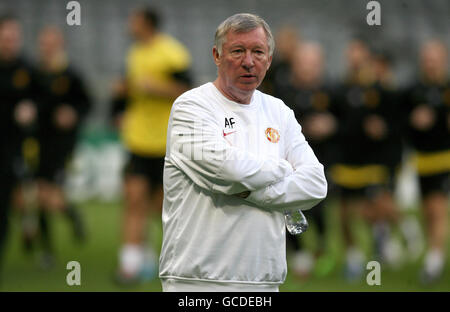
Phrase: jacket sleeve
x=197 y=147
x=306 y=187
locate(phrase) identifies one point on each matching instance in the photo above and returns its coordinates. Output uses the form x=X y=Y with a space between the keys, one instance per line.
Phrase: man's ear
x=270 y=62
x=216 y=56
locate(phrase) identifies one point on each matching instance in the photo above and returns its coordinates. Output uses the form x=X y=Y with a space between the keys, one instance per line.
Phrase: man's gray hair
x=242 y=22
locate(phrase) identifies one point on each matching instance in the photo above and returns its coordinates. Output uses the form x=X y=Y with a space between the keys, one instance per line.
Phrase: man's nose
x=248 y=62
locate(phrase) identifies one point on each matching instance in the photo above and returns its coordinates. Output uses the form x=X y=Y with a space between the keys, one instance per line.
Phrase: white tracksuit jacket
x=217 y=148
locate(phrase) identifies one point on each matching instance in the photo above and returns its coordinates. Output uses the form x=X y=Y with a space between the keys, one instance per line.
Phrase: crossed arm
x=196 y=147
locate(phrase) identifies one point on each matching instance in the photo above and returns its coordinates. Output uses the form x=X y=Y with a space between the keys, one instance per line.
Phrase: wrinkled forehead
x=434 y=50
x=10 y=26
x=51 y=34
x=252 y=37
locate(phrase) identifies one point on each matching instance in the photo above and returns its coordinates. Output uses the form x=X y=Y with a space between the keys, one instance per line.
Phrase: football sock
x=77 y=222
x=434 y=261
x=131 y=258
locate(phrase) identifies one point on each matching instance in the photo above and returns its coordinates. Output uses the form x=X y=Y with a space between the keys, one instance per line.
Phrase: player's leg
x=27 y=214
x=351 y=202
x=317 y=217
x=301 y=260
x=155 y=173
x=392 y=231
x=44 y=214
x=304 y=261
x=135 y=219
x=386 y=248
x=135 y=214
x=55 y=154
x=157 y=197
x=435 y=207
x=44 y=209
x=53 y=200
x=324 y=261
x=5 y=199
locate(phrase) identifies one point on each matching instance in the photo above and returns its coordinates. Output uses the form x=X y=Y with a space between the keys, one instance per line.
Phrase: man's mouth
x=248 y=76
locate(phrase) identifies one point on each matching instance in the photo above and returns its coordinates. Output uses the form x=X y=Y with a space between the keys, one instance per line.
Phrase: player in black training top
x=370 y=151
x=287 y=39
x=427 y=129
x=18 y=118
x=65 y=103
x=305 y=92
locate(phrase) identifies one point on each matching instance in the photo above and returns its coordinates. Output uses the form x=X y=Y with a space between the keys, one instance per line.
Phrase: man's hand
x=119 y=88
x=65 y=117
x=25 y=113
x=149 y=86
x=320 y=126
x=118 y=121
x=375 y=127
x=422 y=118
x=168 y=89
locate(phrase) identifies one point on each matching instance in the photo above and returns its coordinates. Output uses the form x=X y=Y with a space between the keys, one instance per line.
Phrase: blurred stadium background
x=98 y=48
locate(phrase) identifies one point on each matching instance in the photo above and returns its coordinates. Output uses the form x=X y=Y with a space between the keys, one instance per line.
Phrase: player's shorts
x=6 y=188
x=53 y=161
x=366 y=192
x=433 y=169
x=434 y=183
x=151 y=168
x=362 y=181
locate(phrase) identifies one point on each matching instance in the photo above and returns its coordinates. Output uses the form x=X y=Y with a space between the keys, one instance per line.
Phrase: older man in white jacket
x=236 y=159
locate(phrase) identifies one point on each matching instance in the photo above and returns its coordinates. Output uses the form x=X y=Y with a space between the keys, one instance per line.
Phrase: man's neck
x=148 y=37
x=239 y=97
x=54 y=63
x=437 y=78
x=305 y=83
x=8 y=58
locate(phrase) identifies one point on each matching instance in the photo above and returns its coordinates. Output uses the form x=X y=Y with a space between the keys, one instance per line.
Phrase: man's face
x=50 y=42
x=244 y=60
x=433 y=59
x=307 y=63
x=137 y=26
x=287 y=41
x=357 y=55
x=10 y=40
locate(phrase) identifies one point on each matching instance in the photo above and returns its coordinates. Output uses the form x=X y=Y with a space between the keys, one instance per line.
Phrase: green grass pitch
x=98 y=258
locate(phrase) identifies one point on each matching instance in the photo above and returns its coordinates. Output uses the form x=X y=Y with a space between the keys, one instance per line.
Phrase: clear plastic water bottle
x=296 y=222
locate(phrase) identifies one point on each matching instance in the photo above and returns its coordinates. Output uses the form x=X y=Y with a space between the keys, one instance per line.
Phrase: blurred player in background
x=64 y=105
x=358 y=58
x=287 y=40
x=427 y=127
x=388 y=249
x=157 y=72
x=369 y=139
x=306 y=93
x=18 y=113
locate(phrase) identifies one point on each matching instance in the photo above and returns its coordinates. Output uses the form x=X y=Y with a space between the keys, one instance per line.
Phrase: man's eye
x=237 y=51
